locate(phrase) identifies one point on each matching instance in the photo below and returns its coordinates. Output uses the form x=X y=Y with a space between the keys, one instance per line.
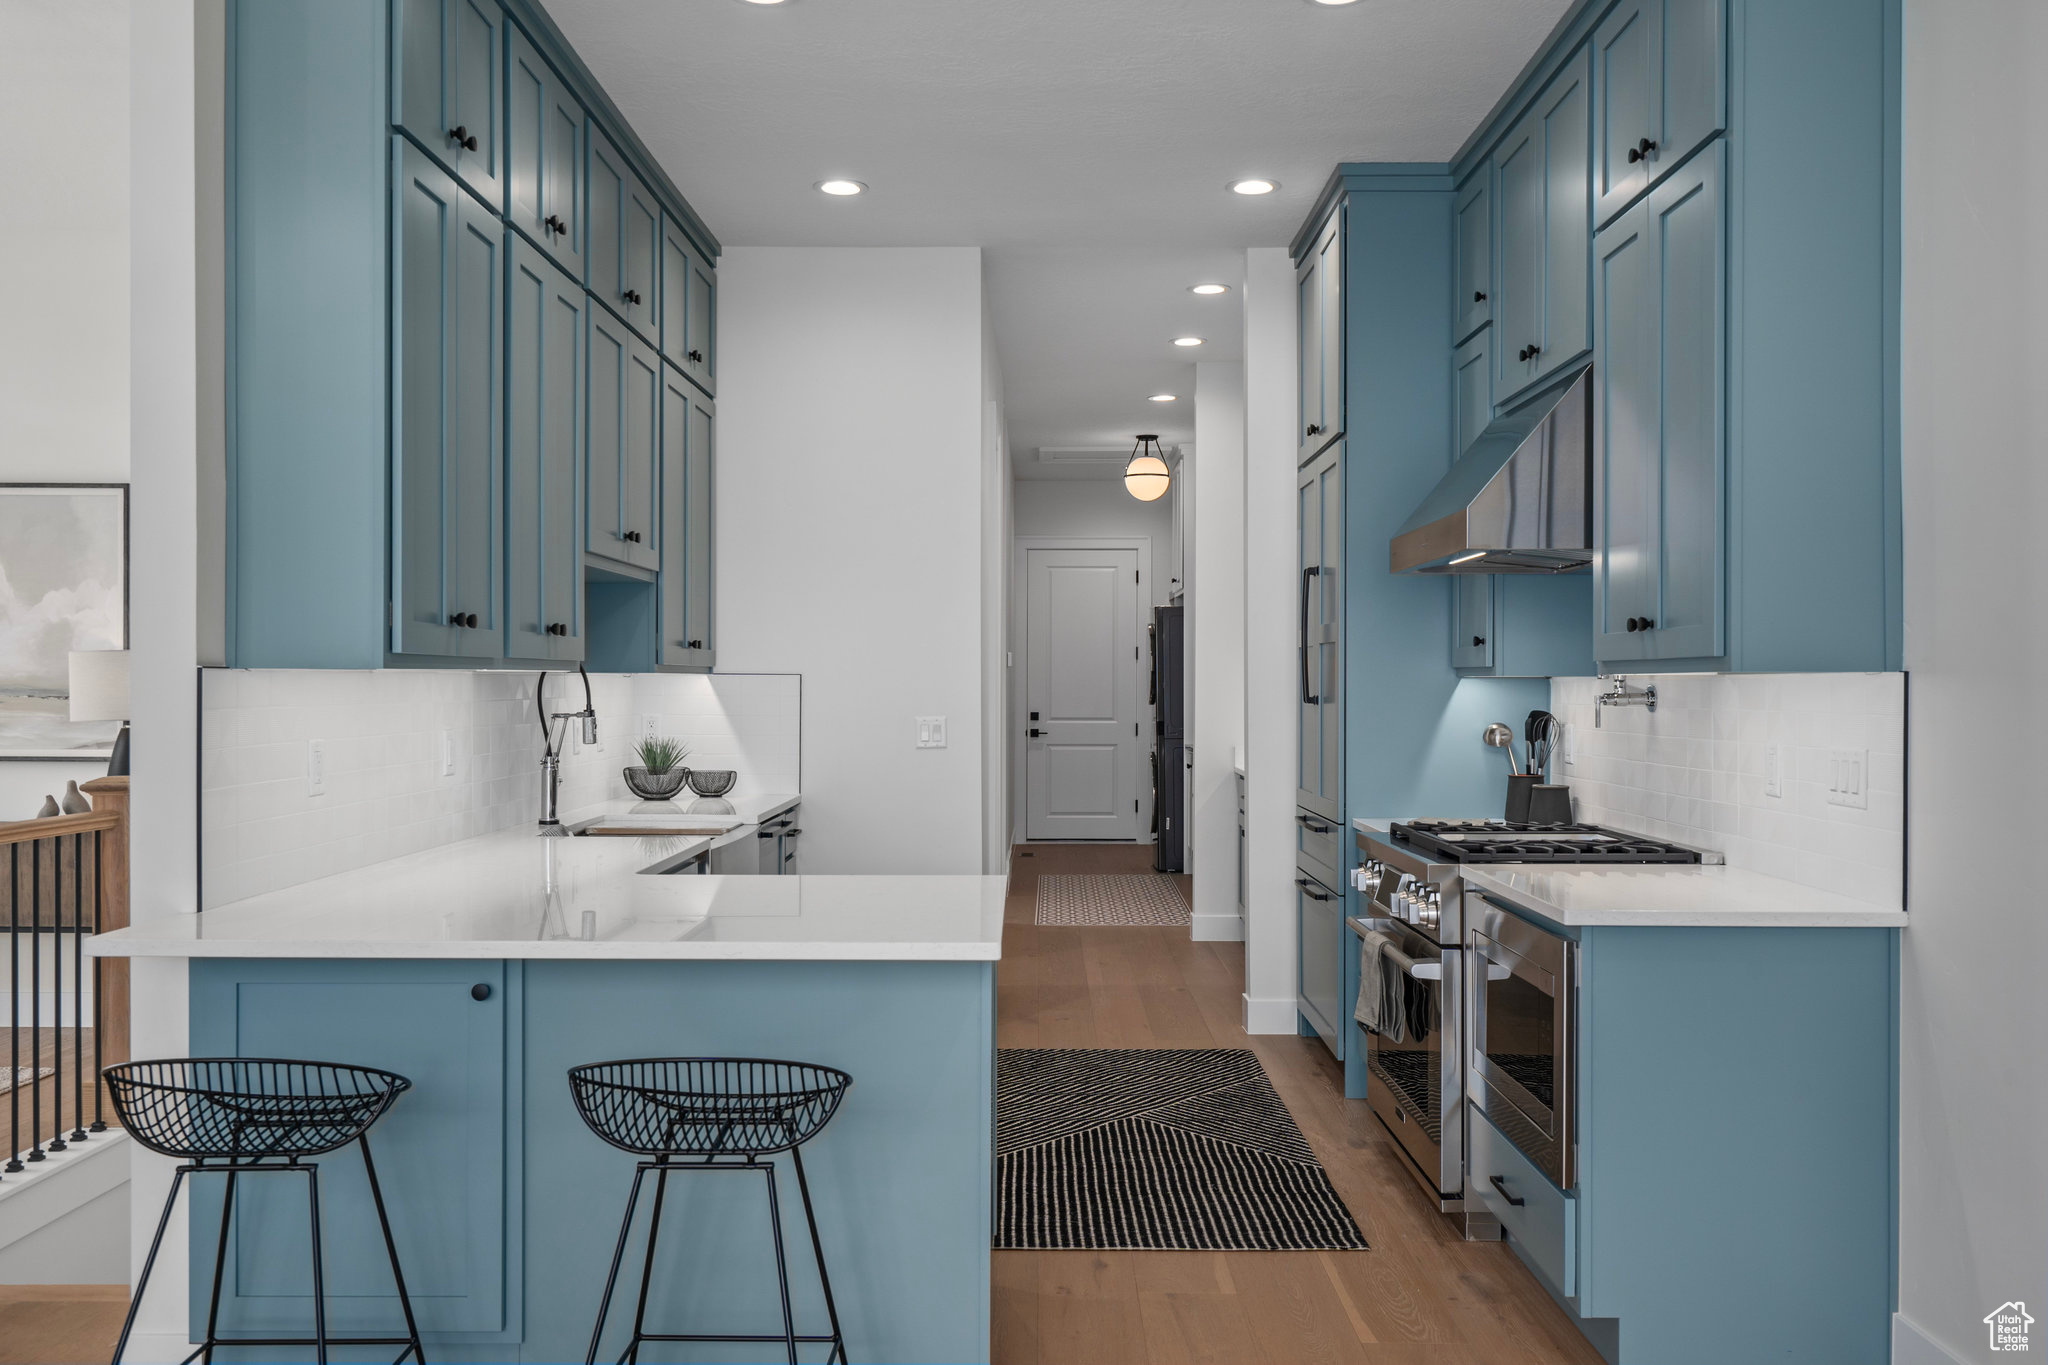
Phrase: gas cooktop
x=1497 y=841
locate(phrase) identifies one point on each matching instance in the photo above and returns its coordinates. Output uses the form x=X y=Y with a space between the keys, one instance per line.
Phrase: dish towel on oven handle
x=1381 y=997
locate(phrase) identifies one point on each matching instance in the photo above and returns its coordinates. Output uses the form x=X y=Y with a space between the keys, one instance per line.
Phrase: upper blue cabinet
x=545 y=196
x=689 y=307
x=448 y=70
x=625 y=239
x=1472 y=218
x=1659 y=92
x=1319 y=302
x=1542 y=174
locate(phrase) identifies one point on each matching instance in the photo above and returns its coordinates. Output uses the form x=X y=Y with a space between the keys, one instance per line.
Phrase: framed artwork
x=63 y=586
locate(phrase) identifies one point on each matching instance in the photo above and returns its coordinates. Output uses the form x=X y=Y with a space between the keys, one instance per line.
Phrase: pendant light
x=1146 y=477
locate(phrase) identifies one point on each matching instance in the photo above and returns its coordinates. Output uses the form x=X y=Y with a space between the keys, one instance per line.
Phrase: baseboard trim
x=1269 y=1016
x=1218 y=929
x=1912 y=1346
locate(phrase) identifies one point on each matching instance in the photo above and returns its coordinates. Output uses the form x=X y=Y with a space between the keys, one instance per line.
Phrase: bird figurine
x=75 y=802
x=49 y=810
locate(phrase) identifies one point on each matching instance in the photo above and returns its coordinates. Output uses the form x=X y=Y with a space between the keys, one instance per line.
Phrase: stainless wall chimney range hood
x=1519 y=499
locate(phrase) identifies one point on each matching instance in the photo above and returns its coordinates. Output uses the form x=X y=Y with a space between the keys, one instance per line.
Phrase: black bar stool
x=710 y=1114
x=250 y=1115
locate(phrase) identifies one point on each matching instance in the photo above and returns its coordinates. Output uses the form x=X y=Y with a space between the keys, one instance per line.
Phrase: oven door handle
x=1421 y=970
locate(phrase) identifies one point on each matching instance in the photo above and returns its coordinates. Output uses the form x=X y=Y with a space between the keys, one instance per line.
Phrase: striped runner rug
x=1155 y=1149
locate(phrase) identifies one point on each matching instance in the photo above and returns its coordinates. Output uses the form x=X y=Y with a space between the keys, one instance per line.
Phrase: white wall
x=997 y=515
x=850 y=529
x=1216 y=603
x=64 y=342
x=1973 y=1190
x=1269 y=698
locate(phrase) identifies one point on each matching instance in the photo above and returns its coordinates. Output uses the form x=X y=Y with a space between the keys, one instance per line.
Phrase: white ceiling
x=1086 y=144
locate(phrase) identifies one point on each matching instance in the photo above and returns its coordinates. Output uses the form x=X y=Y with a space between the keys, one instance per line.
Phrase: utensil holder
x=1550 y=804
x=1519 y=787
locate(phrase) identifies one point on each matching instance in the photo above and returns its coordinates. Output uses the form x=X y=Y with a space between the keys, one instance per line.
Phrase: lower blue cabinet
x=1319 y=923
x=443 y=1151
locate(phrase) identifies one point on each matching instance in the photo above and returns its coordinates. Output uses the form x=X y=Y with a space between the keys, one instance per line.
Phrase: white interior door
x=1083 y=752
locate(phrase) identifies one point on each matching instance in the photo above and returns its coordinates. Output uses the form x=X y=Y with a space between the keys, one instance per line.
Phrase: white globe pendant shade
x=1146 y=477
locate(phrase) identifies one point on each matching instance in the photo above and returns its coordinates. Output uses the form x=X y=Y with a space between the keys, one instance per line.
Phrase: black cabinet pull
x=632 y=536
x=1479 y=296
x=470 y=621
x=555 y=224
x=1308 y=698
x=557 y=628
x=1528 y=353
x=1648 y=624
x=480 y=991
x=1641 y=151
x=465 y=622
x=1311 y=824
x=694 y=644
x=1634 y=625
x=1308 y=889
x=1478 y=640
x=631 y=296
x=1501 y=1185
x=696 y=357
x=462 y=138
x=1312 y=430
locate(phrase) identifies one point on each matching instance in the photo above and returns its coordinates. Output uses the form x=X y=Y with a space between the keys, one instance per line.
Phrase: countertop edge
x=1850 y=917
x=630 y=951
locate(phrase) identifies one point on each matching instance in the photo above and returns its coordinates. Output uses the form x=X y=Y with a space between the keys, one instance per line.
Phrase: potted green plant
x=660 y=774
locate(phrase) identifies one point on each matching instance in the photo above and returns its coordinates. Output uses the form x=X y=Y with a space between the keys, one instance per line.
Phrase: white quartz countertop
x=514 y=895
x=1657 y=894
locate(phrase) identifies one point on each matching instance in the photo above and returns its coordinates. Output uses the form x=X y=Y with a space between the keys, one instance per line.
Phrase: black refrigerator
x=1169 y=750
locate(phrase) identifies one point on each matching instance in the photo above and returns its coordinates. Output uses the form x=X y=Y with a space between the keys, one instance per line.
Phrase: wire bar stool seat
x=242 y=1116
x=697 y=1114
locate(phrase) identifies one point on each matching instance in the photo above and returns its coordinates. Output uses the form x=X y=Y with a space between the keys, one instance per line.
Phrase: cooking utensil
x=1537 y=732
x=1498 y=736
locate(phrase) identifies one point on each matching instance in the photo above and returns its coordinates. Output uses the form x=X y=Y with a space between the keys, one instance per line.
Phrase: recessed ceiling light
x=1209 y=289
x=1161 y=398
x=1187 y=341
x=1254 y=186
x=839 y=187
x=1319 y=2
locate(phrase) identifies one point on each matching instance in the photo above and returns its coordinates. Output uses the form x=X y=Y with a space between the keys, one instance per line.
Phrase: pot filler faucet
x=553 y=733
x=1621 y=694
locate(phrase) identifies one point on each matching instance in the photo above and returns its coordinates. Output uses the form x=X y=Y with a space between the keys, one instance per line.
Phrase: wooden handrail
x=56 y=826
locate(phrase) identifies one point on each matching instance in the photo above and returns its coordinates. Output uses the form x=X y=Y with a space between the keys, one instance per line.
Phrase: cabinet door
x=1472 y=387
x=1320 y=968
x=441 y=1151
x=544 y=157
x=1319 y=301
x=1543 y=174
x=446 y=86
x=625 y=237
x=1319 y=585
x=543 y=460
x=1659 y=491
x=1658 y=90
x=447 y=439
x=689 y=306
x=685 y=523
x=1472 y=213
x=625 y=433
x=1472 y=633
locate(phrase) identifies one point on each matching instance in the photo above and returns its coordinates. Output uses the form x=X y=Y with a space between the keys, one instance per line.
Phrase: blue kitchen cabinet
x=544 y=459
x=1659 y=91
x=1321 y=946
x=1472 y=221
x=685 y=591
x=1319 y=315
x=544 y=122
x=1319 y=512
x=447 y=92
x=624 y=443
x=446 y=1152
x=1542 y=174
x=689 y=307
x=1472 y=625
x=447 y=443
x=1660 y=445
x=625 y=238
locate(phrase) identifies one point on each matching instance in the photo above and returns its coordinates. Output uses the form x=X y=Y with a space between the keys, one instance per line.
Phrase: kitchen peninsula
x=485 y=969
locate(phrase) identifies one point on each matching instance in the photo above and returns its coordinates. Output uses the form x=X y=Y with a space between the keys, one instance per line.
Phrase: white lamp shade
x=99 y=684
x=1146 y=478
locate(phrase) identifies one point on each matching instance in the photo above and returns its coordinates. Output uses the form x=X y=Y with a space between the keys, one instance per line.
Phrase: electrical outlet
x=316 y=767
x=447 y=753
x=1849 y=778
x=1567 y=751
x=650 y=726
x=1774 y=771
x=931 y=732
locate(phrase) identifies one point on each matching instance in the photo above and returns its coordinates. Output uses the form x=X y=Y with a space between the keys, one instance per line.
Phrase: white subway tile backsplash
x=1694 y=771
x=385 y=793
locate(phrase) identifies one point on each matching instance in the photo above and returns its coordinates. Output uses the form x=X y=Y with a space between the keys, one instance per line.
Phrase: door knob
x=1034 y=732
x=462 y=137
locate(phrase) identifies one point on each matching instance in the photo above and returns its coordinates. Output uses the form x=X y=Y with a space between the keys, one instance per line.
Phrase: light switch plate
x=931 y=732
x=1849 y=778
x=316 y=767
x=1774 y=771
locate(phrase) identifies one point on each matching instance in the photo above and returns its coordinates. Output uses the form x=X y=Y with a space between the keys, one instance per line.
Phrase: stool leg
x=319 y=1282
x=220 y=1265
x=647 y=1270
x=804 y=1186
x=781 y=1265
x=412 y=1328
x=618 y=1254
x=148 y=1264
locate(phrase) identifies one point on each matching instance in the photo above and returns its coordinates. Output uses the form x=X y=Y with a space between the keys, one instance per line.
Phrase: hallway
x=1421 y=1296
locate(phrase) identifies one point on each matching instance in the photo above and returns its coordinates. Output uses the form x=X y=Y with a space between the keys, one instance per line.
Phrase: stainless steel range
x=1410 y=888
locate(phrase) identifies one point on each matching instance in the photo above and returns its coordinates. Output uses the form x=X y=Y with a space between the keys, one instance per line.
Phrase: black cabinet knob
x=467 y=622
x=462 y=138
x=631 y=296
x=1641 y=151
x=480 y=991
x=557 y=628
x=633 y=536
x=1634 y=625
x=470 y=621
x=695 y=644
x=555 y=224
x=1648 y=624
x=1478 y=640
x=696 y=357
x=1479 y=296
x=1312 y=429
x=1528 y=353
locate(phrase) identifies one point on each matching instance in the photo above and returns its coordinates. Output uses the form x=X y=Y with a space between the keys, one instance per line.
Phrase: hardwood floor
x=60 y=1324
x=1420 y=1296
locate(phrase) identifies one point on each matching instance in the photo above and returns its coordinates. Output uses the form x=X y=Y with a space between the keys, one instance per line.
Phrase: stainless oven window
x=1521 y=1024
x=1518 y=1031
